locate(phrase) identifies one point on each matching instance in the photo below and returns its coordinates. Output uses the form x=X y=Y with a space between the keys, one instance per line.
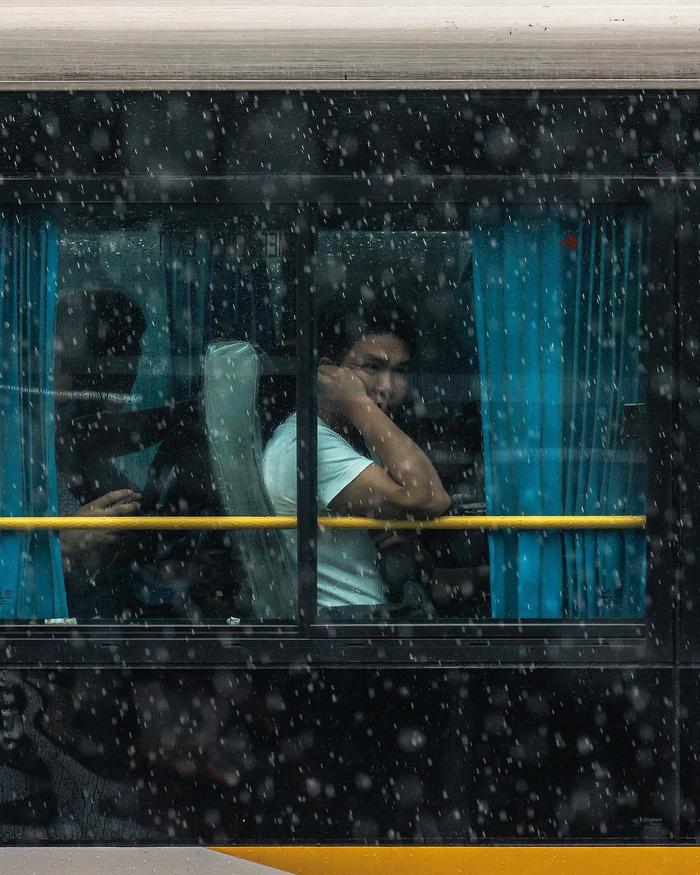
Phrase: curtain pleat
x=187 y=283
x=30 y=563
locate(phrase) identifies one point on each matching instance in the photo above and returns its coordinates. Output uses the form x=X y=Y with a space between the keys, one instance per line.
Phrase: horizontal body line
x=407 y=83
x=579 y=858
x=458 y=523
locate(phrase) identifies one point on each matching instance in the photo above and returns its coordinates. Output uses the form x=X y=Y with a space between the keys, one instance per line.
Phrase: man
x=98 y=346
x=96 y=332
x=366 y=465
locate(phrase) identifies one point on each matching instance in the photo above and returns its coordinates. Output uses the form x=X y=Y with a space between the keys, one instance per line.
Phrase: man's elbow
x=432 y=504
x=440 y=503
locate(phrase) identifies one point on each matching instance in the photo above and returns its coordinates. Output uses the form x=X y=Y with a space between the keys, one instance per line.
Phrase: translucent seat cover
x=231 y=378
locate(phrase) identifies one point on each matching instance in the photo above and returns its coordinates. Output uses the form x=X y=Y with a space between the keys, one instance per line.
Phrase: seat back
x=231 y=379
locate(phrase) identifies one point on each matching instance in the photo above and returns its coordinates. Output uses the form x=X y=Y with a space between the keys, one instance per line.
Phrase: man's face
x=381 y=361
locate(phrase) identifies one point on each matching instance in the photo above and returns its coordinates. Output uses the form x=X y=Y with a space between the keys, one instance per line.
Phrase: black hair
x=340 y=329
x=99 y=322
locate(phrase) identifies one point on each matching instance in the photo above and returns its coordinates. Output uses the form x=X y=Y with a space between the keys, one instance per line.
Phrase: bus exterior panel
x=233 y=171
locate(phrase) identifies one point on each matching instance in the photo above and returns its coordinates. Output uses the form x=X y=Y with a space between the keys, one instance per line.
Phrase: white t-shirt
x=347 y=559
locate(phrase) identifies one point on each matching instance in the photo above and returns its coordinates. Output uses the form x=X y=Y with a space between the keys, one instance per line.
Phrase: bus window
x=496 y=369
x=168 y=358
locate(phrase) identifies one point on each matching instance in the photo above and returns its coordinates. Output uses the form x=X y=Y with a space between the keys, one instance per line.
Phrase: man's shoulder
x=333 y=441
x=285 y=430
x=285 y=435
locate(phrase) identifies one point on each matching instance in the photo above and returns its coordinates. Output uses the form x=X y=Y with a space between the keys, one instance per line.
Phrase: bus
x=348 y=405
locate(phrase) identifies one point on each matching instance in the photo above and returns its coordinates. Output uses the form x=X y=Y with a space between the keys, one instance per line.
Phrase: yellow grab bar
x=19 y=523
x=489 y=522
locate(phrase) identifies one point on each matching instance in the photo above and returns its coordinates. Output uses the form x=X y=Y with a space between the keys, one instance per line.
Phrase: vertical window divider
x=677 y=468
x=663 y=557
x=307 y=504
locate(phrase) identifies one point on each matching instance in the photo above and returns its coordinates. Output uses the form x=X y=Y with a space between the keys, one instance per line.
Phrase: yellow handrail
x=19 y=523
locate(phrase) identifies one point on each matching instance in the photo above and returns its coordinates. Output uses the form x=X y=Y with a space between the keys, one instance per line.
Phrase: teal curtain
x=31 y=584
x=187 y=283
x=212 y=294
x=559 y=309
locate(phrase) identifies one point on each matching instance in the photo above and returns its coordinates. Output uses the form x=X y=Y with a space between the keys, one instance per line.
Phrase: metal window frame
x=657 y=630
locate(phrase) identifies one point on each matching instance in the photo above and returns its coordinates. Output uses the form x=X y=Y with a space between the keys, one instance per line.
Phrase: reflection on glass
x=173 y=361
x=526 y=378
x=148 y=368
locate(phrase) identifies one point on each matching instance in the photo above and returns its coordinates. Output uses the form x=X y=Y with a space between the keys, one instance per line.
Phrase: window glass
x=493 y=369
x=157 y=354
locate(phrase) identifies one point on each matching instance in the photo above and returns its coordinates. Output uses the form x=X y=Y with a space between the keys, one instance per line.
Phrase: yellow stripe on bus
x=523 y=860
x=19 y=523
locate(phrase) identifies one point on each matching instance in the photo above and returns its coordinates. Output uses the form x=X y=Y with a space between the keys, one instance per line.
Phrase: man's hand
x=76 y=542
x=339 y=389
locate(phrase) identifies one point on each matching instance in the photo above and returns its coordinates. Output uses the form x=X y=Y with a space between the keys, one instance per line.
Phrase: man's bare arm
x=406 y=483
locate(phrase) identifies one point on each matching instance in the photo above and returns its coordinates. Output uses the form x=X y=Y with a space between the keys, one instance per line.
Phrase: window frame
x=29 y=640
x=688 y=619
x=656 y=629
x=479 y=642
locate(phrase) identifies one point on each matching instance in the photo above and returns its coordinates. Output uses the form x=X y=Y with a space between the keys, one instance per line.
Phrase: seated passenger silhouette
x=98 y=347
x=99 y=336
x=367 y=466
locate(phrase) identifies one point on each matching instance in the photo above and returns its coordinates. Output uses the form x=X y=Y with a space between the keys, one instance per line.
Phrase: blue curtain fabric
x=211 y=294
x=31 y=575
x=559 y=310
x=187 y=282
